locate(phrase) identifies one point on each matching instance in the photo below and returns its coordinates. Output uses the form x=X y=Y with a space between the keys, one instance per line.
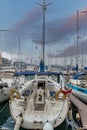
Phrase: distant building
x=20 y=65
x=6 y=62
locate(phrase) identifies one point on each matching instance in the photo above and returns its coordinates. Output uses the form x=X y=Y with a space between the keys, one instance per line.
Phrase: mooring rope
x=3 y=107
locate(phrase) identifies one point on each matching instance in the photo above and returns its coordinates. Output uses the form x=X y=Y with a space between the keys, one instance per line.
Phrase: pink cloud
x=30 y=18
x=68 y=27
x=72 y=50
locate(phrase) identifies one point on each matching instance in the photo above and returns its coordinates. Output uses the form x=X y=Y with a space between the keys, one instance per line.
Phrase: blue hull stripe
x=77 y=88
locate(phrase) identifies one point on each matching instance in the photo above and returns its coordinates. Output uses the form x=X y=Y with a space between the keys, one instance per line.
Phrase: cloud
x=72 y=50
x=29 y=19
x=30 y=26
x=68 y=27
x=55 y=29
x=9 y=55
x=23 y=27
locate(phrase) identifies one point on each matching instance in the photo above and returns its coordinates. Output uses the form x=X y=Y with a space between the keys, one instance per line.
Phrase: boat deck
x=82 y=108
x=39 y=107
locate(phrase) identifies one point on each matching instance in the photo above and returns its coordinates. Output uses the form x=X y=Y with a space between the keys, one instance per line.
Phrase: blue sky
x=24 y=17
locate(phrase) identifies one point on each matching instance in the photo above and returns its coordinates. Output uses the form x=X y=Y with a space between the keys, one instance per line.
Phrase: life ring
x=65 y=93
x=57 y=94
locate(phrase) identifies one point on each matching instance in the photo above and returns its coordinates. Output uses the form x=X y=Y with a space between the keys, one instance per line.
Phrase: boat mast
x=44 y=6
x=43 y=33
x=85 y=12
x=77 y=39
x=19 y=54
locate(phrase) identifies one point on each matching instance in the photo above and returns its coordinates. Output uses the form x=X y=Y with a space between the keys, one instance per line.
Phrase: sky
x=23 y=19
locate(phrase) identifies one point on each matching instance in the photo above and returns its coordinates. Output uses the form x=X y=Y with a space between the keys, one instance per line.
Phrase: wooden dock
x=82 y=108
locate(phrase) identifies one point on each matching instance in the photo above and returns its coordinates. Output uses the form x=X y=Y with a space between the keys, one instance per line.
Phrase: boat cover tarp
x=38 y=73
x=77 y=75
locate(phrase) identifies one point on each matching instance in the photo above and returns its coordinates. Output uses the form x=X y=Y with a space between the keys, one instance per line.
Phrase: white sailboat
x=40 y=103
x=6 y=82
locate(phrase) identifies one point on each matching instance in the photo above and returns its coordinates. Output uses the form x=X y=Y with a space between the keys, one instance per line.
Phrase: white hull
x=4 y=90
x=4 y=95
x=6 y=82
x=36 y=120
x=34 y=113
x=81 y=96
x=79 y=88
x=79 y=92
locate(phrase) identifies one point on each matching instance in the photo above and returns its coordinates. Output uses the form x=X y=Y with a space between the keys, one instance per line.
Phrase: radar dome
x=47 y=126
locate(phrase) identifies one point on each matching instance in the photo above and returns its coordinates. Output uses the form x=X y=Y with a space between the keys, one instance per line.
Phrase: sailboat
x=41 y=103
x=78 y=84
x=6 y=82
